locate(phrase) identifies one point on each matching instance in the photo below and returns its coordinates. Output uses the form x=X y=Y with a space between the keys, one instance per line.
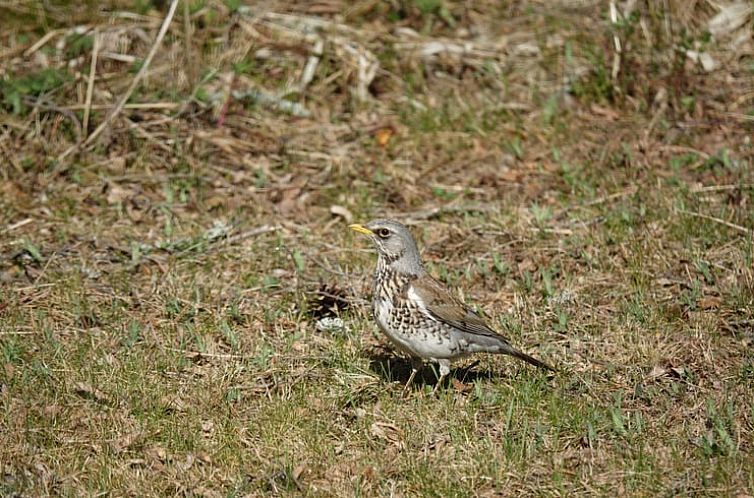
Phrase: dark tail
x=510 y=350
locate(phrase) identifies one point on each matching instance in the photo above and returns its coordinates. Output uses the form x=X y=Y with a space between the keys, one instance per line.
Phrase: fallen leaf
x=388 y=432
x=666 y=371
x=710 y=302
x=300 y=468
x=665 y=282
x=215 y=201
x=116 y=194
x=460 y=386
x=679 y=372
x=383 y=136
x=508 y=174
x=342 y=212
x=158 y=453
x=9 y=370
x=172 y=404
x=52 y=410
x=368 y=473
x=206 y=492
x=657 y=372
x=86 y=390
x=124 y=442
x=605 y=112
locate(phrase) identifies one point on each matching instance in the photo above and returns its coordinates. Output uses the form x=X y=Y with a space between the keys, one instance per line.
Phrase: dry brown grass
x=159 y=284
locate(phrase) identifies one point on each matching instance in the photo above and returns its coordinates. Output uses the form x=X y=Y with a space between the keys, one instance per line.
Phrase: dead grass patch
x=583 y=177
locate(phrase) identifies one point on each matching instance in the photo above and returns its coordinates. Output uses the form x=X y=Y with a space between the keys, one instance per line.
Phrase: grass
x=161 y=290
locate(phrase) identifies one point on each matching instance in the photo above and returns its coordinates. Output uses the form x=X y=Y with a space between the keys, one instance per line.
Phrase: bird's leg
x=416 y=365
x=444 y=371
x=473 y=364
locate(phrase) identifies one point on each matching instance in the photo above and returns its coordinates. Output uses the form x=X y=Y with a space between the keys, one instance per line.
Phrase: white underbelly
x=413 y=342
x=382 y=311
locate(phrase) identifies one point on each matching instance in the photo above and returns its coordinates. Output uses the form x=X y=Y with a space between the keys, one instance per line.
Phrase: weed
x=16 y=90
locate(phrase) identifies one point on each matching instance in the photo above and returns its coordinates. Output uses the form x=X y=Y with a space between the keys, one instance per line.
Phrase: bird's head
x=394 y=243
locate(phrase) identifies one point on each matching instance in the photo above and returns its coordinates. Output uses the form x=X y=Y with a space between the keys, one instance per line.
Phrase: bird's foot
x=409 y=382
x=440 y=382
x=444 y=371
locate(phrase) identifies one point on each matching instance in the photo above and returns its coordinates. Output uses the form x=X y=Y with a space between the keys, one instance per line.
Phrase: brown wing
x=446 y=308
x=442 y=306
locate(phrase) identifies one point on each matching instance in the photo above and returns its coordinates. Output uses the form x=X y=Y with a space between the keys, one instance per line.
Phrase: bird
x=418 y=314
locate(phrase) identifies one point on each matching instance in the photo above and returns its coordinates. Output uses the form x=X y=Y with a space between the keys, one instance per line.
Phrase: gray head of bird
x=394 y=244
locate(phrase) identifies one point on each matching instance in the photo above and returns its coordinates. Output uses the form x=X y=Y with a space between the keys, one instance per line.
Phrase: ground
x=171 y=269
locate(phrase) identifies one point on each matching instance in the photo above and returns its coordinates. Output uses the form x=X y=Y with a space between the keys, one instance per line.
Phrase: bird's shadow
x=393 y=368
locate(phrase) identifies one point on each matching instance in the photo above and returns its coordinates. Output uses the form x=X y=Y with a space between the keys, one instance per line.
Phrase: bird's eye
x=383 y=233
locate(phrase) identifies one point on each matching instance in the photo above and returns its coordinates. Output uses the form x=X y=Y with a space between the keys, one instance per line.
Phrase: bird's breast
x=382 y=309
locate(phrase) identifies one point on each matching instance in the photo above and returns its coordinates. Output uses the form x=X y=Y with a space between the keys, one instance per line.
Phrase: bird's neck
x=402 y=267
x=390 y=277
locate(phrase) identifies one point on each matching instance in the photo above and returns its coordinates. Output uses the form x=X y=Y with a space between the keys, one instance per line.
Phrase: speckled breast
x=405 y=324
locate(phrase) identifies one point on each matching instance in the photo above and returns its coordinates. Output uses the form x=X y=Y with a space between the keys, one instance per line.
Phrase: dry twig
x=137 y=79
x=90 y=83
x=718 y=220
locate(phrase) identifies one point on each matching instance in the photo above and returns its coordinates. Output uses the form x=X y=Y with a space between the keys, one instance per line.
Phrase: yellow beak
x=361 y=229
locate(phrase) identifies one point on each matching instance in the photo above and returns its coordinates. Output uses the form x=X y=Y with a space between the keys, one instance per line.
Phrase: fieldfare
x=418 y=314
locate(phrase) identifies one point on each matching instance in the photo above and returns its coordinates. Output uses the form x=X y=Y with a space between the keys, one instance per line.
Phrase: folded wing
x=440 y=305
